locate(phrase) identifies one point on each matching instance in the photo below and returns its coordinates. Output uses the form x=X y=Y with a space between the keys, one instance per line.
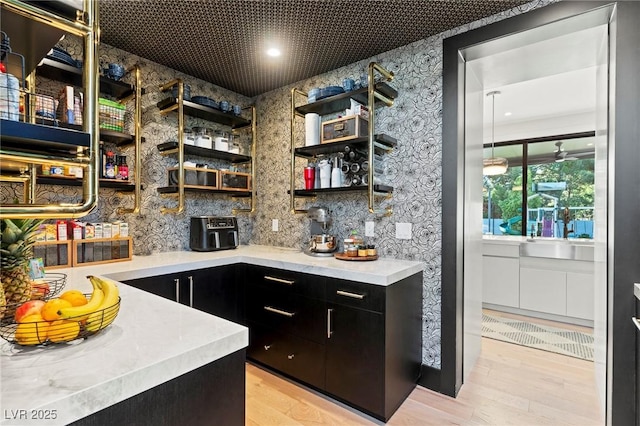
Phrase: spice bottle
x=110 y=166
x=362 y=251
x=123 y=168
x=371 y=250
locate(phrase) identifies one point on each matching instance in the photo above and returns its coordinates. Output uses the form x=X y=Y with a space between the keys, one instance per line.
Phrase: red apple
x=39 y=290
x=29 y=308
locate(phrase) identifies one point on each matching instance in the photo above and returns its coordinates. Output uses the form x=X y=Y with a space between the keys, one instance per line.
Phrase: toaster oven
x=210 y=233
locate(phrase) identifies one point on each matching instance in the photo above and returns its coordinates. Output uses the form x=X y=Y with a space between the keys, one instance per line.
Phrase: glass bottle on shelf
x=110 y=166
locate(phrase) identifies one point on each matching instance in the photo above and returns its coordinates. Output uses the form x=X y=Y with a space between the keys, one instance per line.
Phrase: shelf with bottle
x=382 y=143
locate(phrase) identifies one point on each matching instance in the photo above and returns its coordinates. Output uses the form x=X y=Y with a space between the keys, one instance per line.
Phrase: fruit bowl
x=33 y=333
x=49 y=286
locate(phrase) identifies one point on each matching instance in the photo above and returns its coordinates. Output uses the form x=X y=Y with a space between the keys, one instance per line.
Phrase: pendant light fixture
x=494 y=165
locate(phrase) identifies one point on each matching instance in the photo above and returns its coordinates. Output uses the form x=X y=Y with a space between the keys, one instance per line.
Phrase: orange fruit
x=32 y=330
x=75 y=297
x=63 y=331
x=50 y=309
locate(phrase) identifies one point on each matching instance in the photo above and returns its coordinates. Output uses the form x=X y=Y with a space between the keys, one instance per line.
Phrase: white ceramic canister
x=221 y=142
x=325 y=174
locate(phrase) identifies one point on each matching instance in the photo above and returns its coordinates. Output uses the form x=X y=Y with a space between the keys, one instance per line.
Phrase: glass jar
x=362 y=251
x=371 y=250
x=352 y=251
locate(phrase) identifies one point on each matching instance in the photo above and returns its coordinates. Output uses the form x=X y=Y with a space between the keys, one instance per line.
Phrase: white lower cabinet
x=500 y=277
x=580 y=295
x=543 y=290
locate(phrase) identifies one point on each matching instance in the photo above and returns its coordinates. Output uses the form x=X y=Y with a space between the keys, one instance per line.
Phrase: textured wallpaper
x=413 y=168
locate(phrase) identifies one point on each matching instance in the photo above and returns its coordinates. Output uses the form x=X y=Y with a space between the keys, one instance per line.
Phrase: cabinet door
x=501 y=281
x=161 y=285
x=215 y=291
x=580 y=295
x=543 y=290
x=289 y=354
x=355 y=357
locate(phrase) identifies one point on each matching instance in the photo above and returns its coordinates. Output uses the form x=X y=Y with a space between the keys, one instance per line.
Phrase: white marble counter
x=380 y=272
x=152 y=340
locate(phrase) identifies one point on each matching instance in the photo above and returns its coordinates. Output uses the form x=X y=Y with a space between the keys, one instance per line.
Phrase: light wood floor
x=510 y=385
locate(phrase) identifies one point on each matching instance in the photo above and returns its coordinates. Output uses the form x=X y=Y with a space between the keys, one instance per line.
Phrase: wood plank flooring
x=510 y=385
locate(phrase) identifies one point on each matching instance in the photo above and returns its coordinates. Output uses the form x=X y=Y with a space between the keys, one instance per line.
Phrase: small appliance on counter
x=210 y=233
x=321 y=243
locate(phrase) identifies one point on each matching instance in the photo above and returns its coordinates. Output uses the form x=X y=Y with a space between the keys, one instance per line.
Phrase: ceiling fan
x=561 y=155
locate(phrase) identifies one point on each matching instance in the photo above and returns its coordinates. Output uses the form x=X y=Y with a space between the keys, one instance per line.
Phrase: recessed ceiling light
x=507 y=114
x=274 y=52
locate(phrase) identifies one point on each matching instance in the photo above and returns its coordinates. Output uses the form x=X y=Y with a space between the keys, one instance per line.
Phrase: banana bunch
x=101 y=309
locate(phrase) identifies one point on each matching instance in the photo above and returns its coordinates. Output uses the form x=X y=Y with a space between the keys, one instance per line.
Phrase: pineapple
x=16 y=249
x=3 y=302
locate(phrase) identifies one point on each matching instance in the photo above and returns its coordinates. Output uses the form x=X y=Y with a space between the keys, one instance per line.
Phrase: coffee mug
x=114 y=71
x=237 y=109
x=224 y=106
x=348 y=84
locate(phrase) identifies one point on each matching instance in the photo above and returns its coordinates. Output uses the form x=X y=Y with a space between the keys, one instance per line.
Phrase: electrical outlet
x=403 y=231
x=274 y=225
x=369 y=229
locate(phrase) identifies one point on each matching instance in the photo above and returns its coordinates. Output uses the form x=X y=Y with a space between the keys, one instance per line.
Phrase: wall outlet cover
x=403 y=231
x=274 y=225
x=369 y=229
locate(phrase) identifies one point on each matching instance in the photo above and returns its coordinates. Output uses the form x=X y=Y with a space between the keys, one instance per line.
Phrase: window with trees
x=549 y=184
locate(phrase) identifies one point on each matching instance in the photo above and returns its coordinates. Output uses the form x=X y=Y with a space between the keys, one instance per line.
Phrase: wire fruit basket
x=34 y=333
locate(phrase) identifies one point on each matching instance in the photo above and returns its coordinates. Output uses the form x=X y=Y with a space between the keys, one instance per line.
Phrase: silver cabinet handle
x=329 y=331
x=177 y=280
x=290 y=356
x=267 y=347
x=279 y=280
x=190 y=291
x=636 y=322
x=279 y=312
x=352 y=295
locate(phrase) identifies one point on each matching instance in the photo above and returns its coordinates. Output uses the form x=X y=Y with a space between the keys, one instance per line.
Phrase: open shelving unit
x=178 y=148
x=373 y=96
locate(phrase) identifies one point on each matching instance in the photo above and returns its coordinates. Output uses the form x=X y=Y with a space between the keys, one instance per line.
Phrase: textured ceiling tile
x=223 y=41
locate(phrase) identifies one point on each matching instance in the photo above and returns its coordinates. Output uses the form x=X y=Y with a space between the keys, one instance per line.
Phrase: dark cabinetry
x=358 y=342
x=212 y=290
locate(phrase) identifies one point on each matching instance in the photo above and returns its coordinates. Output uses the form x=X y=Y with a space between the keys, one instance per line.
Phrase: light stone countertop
x=152 y=340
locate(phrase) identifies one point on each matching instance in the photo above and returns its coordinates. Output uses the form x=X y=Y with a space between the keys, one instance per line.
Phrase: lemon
x=50 y=309
x=63 y=331
x=75 y=297
x=32 y=330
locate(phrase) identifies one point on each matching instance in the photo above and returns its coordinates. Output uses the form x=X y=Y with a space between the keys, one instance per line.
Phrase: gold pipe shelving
x=86 y=26
x=372 y=96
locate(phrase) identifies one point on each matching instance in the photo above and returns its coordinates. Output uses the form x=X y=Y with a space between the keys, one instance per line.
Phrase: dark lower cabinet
x=357 y=342
x=355 y=357
x=212 y=290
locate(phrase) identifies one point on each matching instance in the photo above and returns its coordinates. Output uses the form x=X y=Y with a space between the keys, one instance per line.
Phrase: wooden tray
x=342 y=256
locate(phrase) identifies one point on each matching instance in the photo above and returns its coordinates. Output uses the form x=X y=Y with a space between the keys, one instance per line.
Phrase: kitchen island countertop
x=153 y=340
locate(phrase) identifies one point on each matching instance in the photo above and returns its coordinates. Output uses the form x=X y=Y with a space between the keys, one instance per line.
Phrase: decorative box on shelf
x=344 y=129
x=195 y=176
x=102 y=250
x=234 y=181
